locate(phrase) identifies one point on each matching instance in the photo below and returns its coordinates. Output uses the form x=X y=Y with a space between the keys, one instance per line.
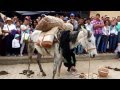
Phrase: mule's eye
x=89 y=40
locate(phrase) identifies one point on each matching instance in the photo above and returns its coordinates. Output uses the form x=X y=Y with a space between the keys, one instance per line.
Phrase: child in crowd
x=16 y=45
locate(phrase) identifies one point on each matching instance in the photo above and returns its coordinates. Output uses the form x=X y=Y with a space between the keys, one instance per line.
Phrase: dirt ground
x=82 y=67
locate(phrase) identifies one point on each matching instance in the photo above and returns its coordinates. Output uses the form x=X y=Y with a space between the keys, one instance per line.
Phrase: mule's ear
x=84 y=30
x=89 y=34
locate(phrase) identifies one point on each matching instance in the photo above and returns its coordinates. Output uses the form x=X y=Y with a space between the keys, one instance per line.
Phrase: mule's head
x=88 y=43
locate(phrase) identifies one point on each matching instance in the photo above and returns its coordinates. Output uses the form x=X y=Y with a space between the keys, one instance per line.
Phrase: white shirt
x=89 y=27
x=113 y=31
x=106 y=30
x=23 y=27
x=15 y=43
x=9 y=27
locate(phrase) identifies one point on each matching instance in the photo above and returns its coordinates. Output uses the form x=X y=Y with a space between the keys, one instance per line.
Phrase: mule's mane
x=73 y=36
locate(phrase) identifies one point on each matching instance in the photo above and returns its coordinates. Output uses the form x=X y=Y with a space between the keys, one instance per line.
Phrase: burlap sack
x=68 y=26
x=49 y=22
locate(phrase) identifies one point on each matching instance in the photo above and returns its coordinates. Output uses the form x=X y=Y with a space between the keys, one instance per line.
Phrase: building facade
x=102 y=13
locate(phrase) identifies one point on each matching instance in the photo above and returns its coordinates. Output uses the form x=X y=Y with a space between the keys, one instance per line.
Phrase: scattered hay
x=27 y=72
x=115 y=69
x=91 y=76
x=82 y=75
x=3 y=73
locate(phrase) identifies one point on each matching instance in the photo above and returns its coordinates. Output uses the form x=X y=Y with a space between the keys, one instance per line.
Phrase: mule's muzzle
x=92 y=56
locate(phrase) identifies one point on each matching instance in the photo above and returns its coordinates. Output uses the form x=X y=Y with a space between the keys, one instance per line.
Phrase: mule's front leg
x=59 y=67
x=30 y=52
x=39 y=64
x=54 y=68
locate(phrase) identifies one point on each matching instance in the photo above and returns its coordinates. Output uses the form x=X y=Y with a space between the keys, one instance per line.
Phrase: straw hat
x=8 y=19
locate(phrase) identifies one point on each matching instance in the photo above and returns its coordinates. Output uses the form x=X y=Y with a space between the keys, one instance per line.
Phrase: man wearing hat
x=9 y=26
x=73 y=21
x=8 y=29
x=65 y=19
x=16 y=44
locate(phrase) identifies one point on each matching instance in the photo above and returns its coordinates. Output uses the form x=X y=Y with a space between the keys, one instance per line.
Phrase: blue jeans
x=98 y=39
x=79 y=49
x=119 y=37
x=113 y=42
x=104 y=40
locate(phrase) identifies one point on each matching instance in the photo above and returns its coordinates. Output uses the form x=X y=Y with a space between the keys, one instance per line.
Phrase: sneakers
x=21 y=55
x=74 y=71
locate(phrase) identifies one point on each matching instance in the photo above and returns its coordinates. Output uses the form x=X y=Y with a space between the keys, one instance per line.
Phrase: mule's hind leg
x=39 y=64
x=54 y=67
x=57 y=60
x=30 y=53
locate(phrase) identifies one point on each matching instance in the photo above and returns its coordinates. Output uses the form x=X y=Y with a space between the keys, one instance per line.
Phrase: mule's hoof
x=58 y=75
x=53 y=78
x=43 y=74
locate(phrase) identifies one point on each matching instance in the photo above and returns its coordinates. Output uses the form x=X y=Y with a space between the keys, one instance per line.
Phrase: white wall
x=102 y=13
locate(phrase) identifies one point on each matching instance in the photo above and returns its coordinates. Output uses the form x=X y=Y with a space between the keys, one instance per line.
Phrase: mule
x=84 y=37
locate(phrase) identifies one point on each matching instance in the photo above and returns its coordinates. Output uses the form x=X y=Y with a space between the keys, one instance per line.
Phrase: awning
x=33 y=12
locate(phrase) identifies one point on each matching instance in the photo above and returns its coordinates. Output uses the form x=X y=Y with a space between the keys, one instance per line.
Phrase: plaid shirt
x=97 y=30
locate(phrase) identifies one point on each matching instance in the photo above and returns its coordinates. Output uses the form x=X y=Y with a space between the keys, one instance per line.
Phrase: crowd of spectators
x=15 y=32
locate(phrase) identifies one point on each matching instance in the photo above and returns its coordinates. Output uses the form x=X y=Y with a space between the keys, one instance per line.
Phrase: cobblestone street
x=82 y=67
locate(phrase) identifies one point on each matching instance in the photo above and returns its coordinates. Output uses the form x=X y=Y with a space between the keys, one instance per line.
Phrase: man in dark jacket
x=69 y=56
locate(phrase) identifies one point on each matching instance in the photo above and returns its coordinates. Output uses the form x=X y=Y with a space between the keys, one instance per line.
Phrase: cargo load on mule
x=46 y=39
x=68 y=26
x=49 y=26
x=49 y=22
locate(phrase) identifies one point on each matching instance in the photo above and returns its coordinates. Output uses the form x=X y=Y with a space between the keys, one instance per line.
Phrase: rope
x=89 y=65
x=89 y=68
x=89 y=61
